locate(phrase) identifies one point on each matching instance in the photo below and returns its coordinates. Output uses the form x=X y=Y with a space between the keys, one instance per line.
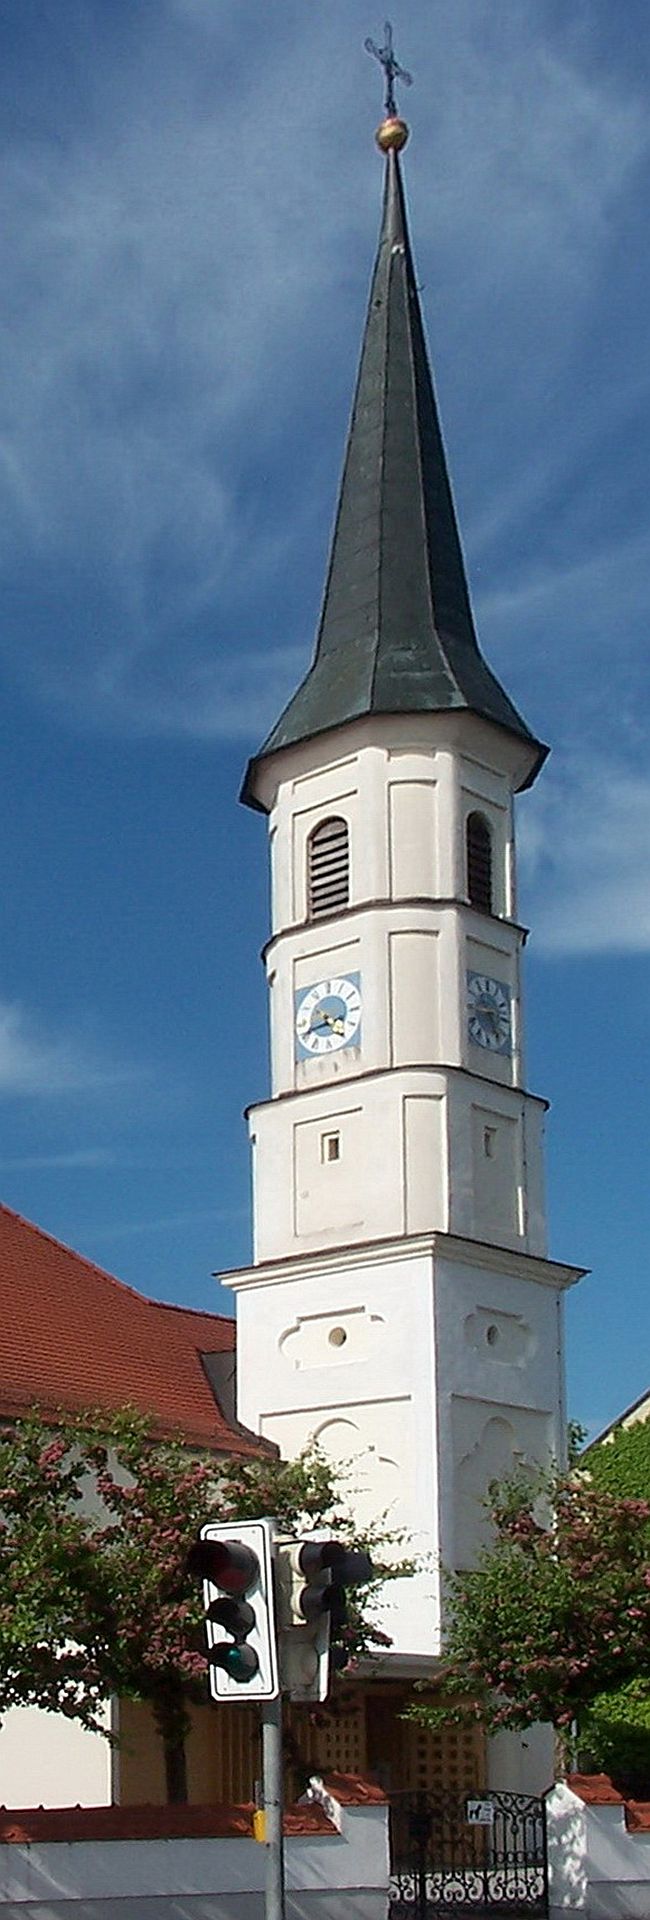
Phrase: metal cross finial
x=391 y=66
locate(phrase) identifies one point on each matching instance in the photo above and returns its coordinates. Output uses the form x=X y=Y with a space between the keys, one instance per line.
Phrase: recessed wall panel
x=424 y=1161
x=496 y=1174
x=328 y=1188
x=414 y=998
x=412 y=838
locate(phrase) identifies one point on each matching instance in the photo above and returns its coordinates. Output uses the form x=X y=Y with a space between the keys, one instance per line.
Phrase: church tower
x=401 y=1306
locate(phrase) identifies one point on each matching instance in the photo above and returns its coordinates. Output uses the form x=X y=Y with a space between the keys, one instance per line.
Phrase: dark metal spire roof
x=397 y=631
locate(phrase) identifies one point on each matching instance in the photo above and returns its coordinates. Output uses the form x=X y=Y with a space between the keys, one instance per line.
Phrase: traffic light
x=234 y=1561
x=312 y=1577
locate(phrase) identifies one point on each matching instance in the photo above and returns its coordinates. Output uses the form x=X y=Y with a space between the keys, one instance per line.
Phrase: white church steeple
x=400 y=1306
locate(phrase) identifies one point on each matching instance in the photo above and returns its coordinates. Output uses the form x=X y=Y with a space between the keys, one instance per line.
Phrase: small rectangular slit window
x=489 y=1142
x=330 y=1147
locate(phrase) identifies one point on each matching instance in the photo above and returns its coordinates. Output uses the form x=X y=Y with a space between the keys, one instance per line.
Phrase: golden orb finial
x=392 y=135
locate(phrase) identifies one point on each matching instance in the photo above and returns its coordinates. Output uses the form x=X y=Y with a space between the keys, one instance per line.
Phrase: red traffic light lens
x=227 y=1563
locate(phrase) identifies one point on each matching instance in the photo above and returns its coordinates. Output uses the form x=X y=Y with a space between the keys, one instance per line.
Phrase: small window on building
x=479 y=863
x=330 y=1147
x=328 y=868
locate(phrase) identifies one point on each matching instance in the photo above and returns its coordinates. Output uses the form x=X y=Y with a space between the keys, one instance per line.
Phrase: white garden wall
x=599 y=1859
x=336 y=1860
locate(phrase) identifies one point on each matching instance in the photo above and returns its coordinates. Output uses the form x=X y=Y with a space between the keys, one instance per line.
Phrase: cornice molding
x=436 y=1246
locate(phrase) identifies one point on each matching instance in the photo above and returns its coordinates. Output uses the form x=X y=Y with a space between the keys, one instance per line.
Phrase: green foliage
x=557 y=1610
x=621 y=1464
x=615 y=1729
x=615 y=1736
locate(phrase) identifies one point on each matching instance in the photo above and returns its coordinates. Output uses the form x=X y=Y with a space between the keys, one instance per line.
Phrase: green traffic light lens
x=239 y=1662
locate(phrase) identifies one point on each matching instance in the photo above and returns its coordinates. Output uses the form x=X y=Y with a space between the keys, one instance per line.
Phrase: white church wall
x=413 y=838
x=500 y=1402
x=484 y=790
x=414 y=976
x=46 y=1760
x=435 y=1367
x=357 y=1375
x=416 y=1150
x=304 y=1200
x=425 y=1160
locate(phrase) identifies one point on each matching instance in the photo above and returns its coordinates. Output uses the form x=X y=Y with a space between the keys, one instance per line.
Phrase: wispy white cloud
x=78 y=1159
x=585 y=848
x=541 y=589
x=34 y=1063
x=185 y=268
x=167 y=1223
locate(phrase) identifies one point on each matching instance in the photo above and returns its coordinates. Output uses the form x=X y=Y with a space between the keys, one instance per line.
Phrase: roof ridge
x=102 y=1273
x=200 y=1313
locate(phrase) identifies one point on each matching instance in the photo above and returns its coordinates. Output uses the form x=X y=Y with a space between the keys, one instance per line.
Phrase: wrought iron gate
x=454 y=1853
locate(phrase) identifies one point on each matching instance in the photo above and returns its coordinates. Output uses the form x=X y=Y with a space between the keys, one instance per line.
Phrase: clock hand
x=327 y=1020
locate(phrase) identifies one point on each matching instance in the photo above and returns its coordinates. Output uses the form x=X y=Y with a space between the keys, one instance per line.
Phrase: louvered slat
x=328 y=876
x=479 y=862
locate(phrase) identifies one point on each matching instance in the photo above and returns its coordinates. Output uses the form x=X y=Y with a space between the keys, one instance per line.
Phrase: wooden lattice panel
x=326 y=1742
x=444 y=1758
x=234 y=1759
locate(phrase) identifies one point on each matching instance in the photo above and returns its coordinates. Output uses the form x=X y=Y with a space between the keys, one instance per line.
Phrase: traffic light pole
x=273 y=1797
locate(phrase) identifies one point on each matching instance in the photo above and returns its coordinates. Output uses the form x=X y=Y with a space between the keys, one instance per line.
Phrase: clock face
x=328 y=1016
x=489 y=1019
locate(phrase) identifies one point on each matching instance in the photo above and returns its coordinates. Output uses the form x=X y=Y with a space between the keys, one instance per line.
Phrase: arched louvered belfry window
x=479 y=862
x=328 y=868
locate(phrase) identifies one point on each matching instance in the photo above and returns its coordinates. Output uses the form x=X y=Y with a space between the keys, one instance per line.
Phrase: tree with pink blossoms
x=556 y=1611
x=96 y=1522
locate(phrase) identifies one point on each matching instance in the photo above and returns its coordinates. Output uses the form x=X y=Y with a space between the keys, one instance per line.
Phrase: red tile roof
x=71 y=1336
x=596 y=1790
x=354 y=1790
x=25 y=1825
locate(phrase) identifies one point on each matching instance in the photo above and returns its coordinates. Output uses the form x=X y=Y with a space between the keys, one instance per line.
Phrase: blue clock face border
x=489 y=1012
x=327 y=1016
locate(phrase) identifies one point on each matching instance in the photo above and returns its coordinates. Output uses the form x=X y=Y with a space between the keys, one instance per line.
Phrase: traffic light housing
x=312 y=1576
x=235 y=1562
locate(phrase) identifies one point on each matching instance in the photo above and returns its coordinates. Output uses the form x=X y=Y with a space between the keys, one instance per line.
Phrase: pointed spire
x=396 y=632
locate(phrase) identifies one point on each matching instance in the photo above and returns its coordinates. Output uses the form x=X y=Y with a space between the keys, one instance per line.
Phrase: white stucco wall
x=401 y=1308
x=522 y=1762
x=427 y=1368
x=370 y=1400
x=48 y=1761
x=339 y=1876
x=597 y=1868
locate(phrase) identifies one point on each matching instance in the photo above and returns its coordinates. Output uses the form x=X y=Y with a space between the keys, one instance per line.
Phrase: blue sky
x=190 y=200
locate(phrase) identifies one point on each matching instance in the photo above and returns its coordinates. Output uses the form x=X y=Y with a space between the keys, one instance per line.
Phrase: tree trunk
x=171 y=1718
x=176 y=1770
